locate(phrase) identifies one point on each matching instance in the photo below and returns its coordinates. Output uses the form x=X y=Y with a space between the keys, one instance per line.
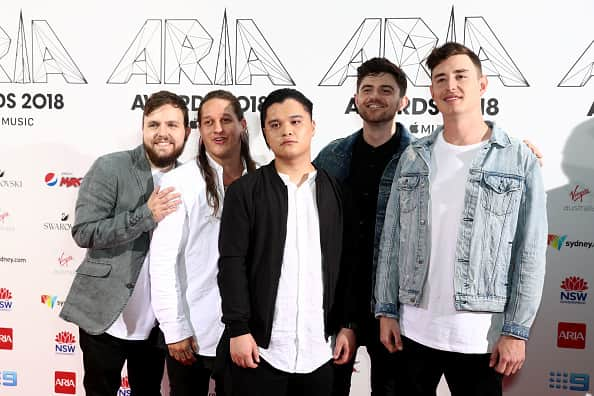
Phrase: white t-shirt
x=436 y=323
x=297 y=342
x=137 y=319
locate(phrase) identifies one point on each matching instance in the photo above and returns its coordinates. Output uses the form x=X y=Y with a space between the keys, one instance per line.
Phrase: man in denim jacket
x=366 y=161
x=462 y=252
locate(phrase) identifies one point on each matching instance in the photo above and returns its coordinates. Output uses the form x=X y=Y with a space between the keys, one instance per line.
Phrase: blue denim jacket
x=336 y=158
x=501 y=239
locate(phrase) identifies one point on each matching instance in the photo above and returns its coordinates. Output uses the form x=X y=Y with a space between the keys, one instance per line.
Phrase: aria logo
x=561 y=380
x=5 y=338
x=574 y=290
x=558 y=241
x=571 y=335
x=6 y=223
x=5 y=299
x=5 y=182
x=66 y=180
x=124 y=387
x=65 y=382
x=3 y=216
x=65 y=343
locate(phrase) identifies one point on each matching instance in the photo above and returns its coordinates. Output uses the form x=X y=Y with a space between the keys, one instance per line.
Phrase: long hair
x=209 y=175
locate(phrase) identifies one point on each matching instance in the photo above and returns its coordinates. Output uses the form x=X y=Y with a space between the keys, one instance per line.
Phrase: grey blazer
x=113 y=222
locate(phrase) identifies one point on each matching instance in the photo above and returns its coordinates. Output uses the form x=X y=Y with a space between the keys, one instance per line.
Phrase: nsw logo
x=571 y=335
x=65 y=343
x=65 y=382
x=5 y=338
x=5 y=299
x=574 y=290
x=124 y=387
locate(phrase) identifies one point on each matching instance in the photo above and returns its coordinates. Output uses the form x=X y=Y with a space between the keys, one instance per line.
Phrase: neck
x=297 y=169
x=376 y=134
x=232 y=168
x=463 y=131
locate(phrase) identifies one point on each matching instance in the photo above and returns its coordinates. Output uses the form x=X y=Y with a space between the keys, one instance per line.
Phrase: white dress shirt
x=184 y=254
x=137 y=319
x=297 y=342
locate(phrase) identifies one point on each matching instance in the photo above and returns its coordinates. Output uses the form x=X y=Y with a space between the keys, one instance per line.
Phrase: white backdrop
x=72 y=80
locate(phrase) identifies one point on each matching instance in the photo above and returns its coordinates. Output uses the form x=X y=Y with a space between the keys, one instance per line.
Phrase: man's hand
x=183 y=351
x=162 y=203
x=244 y=351
x=536 y=151
x=508 y=355
x=345 y=346
x=390 y=334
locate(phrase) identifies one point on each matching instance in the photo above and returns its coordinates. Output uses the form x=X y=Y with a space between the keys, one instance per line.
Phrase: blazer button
x=130 y=285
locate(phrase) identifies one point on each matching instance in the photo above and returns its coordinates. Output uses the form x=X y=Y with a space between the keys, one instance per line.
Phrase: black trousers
x=385 y=367
x=265 y=380
x=104 y=357
x=191 y=380
x=466 y=374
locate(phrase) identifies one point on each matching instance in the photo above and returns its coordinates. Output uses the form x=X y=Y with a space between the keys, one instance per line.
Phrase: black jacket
x=251 y=243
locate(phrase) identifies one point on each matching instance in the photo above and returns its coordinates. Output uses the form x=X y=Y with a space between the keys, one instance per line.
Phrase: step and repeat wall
x=74 y=77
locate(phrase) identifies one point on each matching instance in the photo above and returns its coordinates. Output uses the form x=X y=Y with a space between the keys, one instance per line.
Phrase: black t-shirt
x=367 y=166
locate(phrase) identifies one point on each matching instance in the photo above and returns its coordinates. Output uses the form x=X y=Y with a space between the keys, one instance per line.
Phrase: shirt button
x=422 y=222
x=130 y=285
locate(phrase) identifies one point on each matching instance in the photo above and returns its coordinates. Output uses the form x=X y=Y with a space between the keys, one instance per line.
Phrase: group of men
x=430 y=252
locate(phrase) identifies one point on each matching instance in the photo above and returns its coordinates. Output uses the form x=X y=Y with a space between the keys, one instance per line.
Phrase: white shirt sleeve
x=167 y=296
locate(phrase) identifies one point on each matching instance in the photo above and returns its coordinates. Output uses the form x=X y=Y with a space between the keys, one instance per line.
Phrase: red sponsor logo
x=578 y=194
x=571 y=335
x=5 y=294
x=5 y=338
x=65 y=337
x=65 y=382
x=125 y=384
x=64 y=260
x=574 y=283
x=70 y=181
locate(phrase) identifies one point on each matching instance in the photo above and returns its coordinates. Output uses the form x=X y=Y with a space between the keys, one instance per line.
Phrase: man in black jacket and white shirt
x=282 y=276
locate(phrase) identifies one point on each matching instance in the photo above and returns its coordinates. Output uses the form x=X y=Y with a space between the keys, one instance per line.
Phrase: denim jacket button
x=422 y=222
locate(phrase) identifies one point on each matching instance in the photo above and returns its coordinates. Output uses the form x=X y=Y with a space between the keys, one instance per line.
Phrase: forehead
x=453 y=63
x=166 y=112
x=378 y=80
x=287 y=108
x=216 y=107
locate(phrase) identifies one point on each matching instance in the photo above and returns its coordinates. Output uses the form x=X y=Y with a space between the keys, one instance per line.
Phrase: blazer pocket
x=94 y=268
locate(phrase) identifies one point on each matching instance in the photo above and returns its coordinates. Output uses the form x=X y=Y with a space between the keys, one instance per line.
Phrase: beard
x=160 y=160
x=371 y=117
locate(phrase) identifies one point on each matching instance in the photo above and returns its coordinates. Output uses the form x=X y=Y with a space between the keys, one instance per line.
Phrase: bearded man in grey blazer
x=117 y=209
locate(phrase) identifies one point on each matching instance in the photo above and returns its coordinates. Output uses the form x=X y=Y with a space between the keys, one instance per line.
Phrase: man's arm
x=166 y=294
x=234 y=237
x=96 y=223
x=387 y=275
x=528 y=269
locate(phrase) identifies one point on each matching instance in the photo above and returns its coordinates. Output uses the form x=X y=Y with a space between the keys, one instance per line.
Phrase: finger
x=165 y=191
x=170 y=196
x=249 y=362
x=493 y=359
x=156 y=190
x=255 y=352
x=398 y=341
x=501 y=366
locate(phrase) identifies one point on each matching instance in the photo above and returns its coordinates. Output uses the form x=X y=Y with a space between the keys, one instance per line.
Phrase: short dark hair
x=162 y=98
x=375 y=66
x=440 y=54
x=279 y=96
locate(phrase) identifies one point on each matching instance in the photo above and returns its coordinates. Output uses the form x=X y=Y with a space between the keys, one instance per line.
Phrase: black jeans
x=191 y=380
x=385 y=368
x=265 y=380
x=104 y=357
x=466 y=374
